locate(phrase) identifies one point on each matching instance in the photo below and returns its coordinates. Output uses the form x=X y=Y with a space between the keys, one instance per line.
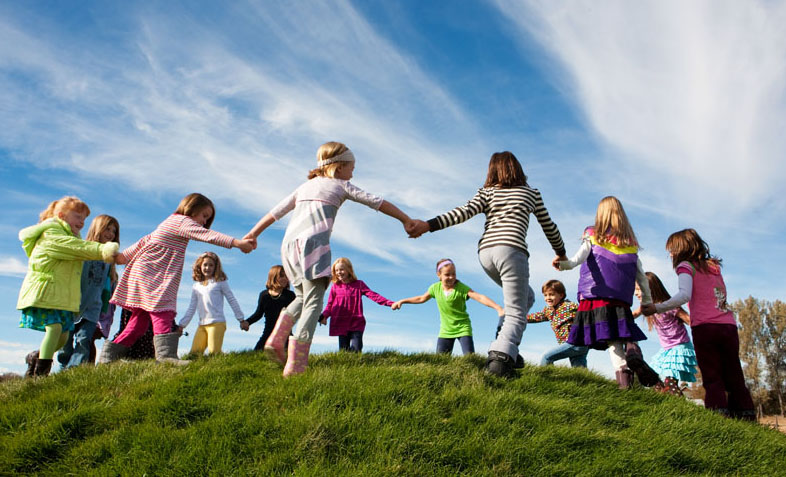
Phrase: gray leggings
x=306 y=306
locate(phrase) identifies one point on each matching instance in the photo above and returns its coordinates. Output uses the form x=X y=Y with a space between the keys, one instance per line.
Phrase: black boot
x=31 y=359
x=500 y=364
x=647 y=376
x=42 y=367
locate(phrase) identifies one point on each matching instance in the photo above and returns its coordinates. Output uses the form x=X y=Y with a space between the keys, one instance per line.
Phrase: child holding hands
x=561 y=313
x=345 y=306
x=148 y=288
x=208 y=294
x=451 y=296
x=275 y=297
x=305 y=250
x=50 y=294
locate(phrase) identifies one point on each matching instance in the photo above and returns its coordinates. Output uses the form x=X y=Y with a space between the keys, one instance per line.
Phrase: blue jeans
x=576 y=354
x=352 y=341
x=445 y=345
x=76 y=350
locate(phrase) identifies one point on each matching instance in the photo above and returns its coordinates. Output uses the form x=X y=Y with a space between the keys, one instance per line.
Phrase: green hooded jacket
x=54 y=268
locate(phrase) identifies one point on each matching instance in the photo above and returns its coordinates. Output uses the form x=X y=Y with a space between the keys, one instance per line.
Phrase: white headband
x=345 y=156
x=443 y=263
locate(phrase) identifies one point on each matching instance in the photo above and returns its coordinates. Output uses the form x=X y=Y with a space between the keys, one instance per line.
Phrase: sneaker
x=500 y=364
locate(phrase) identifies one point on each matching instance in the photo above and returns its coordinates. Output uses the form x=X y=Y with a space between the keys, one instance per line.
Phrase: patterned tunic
x=305 y=250
x=155 y=264
x=561 y=318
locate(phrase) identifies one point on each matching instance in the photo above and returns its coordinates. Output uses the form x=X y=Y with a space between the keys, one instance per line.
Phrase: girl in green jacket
x=50 y=293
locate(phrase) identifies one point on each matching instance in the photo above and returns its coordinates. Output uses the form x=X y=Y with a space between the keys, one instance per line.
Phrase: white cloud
x=12 y=267
x=689 y=96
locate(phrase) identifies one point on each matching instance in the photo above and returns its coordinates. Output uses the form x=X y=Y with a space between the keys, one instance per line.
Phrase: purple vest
x=609 y=271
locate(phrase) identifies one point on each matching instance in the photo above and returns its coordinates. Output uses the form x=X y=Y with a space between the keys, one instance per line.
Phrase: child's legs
x=467 y=345
x=445 y=345
x=215 y=336
x=709 y=357
x=564 y=351
x=64 y=356
x=343 y=342
x=137 y=325
x=295 y=308
x=617 y=355
x=200 y=340
x=163 y=322
x=733 y=378
x=355 y=341
x=54 y=339
x=509 y=268
x=313 y=294
x=83 y=339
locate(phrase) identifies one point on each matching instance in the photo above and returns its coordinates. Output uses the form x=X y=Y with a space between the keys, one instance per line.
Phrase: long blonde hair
x=347 y=264
x=612 y=224
x=218 y=272
x=63 y=205
x=326 y=151
x=97 y=227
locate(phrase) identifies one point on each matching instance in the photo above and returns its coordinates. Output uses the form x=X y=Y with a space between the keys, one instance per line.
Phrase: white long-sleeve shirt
x=685 y=281
x=209 y=300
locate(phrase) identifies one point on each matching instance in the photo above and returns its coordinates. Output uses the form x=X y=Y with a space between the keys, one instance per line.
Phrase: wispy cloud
x=689 y=96
x=12 y=267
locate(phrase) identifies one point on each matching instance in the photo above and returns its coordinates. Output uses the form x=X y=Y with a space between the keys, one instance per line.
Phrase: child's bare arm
x=416 y=300
x=263 y=223
x=486 y=301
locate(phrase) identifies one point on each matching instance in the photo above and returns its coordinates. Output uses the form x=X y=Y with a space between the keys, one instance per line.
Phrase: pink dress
x=345 y=306
x=155 y=264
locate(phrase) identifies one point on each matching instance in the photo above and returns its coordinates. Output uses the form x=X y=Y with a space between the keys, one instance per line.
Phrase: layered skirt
x=678 y=362
x=600 y=321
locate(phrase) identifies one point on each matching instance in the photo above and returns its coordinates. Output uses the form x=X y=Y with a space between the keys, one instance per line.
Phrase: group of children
x=65 y=297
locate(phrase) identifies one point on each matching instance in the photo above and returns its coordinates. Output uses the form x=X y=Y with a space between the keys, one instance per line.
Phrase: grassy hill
x=373 y=414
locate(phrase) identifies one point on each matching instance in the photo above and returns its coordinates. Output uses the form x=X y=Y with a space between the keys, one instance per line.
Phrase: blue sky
x=676 y=108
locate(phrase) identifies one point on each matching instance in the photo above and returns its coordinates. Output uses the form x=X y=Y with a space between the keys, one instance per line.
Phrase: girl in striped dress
x=148 y=287
x=507 y=201
x=305 y=250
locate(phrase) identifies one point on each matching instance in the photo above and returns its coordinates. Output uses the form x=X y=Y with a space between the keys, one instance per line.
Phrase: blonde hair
x=97 y=227
x=191 y=204
x=63 y=205
x=274 y=279
x=611 y=222
x=218 y=273
x=347 y=264
x=326 y=151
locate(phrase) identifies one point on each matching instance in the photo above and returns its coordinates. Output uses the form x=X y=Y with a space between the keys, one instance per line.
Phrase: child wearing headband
x=451 y=296
x=305 y=250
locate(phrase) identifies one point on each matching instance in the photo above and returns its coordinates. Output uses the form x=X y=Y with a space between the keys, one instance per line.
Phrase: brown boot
x=31 y=359
x=42 y=367
x=624 y=378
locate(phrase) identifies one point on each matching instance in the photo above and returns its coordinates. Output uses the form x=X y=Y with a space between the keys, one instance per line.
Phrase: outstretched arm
x=416 y=300
x=486 y=301
x=389 y=209
x=263 y=223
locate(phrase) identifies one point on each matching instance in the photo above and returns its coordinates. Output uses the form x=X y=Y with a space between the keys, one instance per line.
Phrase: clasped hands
x=415 y=228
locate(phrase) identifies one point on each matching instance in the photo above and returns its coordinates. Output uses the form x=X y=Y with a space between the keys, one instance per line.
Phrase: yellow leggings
x=209 y=336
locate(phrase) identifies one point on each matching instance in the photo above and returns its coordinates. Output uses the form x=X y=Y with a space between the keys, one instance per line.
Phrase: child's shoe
x=42 y=367
x=298 y=357
x=500 y=364
x=31 y=359
x=624 y=378
x=274 y=347
x=166 y=348
x=111 y=352
x=647 y=376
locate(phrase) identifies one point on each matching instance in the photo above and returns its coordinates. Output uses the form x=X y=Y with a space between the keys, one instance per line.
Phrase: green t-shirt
x=453 y=316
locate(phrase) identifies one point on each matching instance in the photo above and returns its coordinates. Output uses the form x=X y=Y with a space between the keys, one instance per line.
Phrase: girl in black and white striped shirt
x=507 y=201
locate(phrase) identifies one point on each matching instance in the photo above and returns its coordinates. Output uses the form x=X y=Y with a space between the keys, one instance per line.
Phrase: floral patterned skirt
x=38 y=318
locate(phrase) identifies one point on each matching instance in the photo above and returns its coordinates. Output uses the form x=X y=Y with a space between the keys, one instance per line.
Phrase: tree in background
x=763 y=350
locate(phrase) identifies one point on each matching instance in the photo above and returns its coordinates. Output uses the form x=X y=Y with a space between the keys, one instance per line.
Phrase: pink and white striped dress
x=155 y=264
x=305 y=250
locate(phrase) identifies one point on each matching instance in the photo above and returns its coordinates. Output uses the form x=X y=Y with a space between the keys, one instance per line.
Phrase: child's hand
x=416 y=228
x=648 y=310
x=244 y=325
x=246 y=245
x=637 y=312
x=179 y=330
x=322 y=319
x=557 y=259
x=396 y=305
x=120 y=259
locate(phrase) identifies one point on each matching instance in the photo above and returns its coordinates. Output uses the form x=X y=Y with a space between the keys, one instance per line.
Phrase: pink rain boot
x=274 y=346
x=298 y=357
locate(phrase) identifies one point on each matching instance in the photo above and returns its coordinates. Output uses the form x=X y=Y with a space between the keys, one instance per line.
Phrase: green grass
x=370 y=414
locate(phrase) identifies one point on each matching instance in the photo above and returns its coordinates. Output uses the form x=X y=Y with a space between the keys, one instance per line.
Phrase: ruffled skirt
x=678 y=362
x=38 y=318
x=600 y=321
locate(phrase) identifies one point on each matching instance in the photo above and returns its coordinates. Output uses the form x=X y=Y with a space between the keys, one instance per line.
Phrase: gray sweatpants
x=307 y=306
x=509 y=268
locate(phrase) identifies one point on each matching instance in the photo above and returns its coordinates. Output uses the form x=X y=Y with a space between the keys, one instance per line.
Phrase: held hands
x=244 y=325
x=120 y=259
x=648 y=310
x=557 y=259
x=416 y=228
x=322 y=319
x=246 y=245
x=396 y=305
